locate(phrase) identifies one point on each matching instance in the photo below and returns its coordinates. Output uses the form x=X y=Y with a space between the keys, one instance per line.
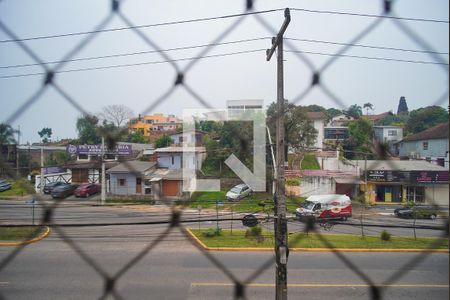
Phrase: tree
x=137 y=137
x=299 y=130
x=87 y=130
x=426 y=117
x=360 y=135
x=368 y=106
x=333 y=112
x=6 y=134
x=402 y=107
x=315 y=108
x=163 y=141
x=45 y=134
x=116 y=114
x=354 y=111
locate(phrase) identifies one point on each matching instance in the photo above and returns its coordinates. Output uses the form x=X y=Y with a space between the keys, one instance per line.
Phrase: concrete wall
x=437 y=194
x=317 y=185
x=334 y=164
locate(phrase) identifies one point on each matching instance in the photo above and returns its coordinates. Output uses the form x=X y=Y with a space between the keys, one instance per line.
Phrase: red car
x=87 y=189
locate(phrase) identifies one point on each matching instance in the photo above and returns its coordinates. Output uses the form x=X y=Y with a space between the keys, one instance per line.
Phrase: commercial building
x=390 y=181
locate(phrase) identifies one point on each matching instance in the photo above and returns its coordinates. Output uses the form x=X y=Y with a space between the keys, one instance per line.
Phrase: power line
x=219 y=18
x=135 y=53
x=371 y=58
x=217 y=55
x=140 y=26
x=221 y=44
x=367 y=46
x=221 y=55
x=368 y=15
x=136 y=64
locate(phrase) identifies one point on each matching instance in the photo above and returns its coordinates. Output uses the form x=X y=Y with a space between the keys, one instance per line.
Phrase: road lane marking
x=3 y=283
x=331 y=285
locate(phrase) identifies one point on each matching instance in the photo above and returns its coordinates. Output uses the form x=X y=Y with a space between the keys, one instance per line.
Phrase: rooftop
x=132 y=166
x=180 y=149
x=439 y=131
x=316 y=115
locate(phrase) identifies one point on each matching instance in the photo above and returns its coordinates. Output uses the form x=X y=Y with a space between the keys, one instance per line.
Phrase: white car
x=238 y=192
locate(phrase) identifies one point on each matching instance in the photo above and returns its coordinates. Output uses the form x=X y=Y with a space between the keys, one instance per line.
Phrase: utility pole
x=280 y=223
x=103 y=192
x=17 y=153
x=42 y=170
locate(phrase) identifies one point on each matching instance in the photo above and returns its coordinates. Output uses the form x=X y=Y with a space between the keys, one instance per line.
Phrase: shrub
x=385 y=236
x=293 y=182
x=255 y=232
x=212 y=232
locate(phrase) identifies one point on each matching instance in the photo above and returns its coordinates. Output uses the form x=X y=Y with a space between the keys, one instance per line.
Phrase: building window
x=392 y=133
x=122 y=182
x=173 y=160
x=425 y=145
x=415 y=194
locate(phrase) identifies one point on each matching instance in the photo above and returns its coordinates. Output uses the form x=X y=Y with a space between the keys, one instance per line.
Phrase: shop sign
x=408 y=176
x=123 y=149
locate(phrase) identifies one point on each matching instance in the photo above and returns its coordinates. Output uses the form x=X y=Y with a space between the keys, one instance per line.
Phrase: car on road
x=86 y=190
x=417 y=212
x=48 y=188
x=4 y=185
x=64 y=190
x=238 y=192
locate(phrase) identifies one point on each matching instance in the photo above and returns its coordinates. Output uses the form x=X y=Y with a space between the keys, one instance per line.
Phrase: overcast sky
x=354 y=80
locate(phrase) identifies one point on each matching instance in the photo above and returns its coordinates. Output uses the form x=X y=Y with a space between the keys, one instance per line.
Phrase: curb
x=234 y=249
x=34 y=240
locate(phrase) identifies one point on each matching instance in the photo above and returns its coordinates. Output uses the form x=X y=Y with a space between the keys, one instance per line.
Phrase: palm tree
x=6 y=134
x=368 y=106
x=354 y=111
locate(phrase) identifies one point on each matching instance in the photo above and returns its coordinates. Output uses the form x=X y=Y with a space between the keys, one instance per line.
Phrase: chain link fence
x=176 y=223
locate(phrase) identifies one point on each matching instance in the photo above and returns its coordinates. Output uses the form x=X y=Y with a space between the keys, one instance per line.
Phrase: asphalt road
x=76 y=268
x=73 y=262
x=86 y=211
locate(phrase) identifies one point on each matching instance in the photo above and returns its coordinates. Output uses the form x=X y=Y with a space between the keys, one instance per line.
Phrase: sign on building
x=123 y=149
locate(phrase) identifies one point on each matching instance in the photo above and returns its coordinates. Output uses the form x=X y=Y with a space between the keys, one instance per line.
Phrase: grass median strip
x=312 y=241
x=20 y=234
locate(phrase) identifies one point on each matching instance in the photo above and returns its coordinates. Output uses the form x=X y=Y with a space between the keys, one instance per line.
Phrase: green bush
x=293 y=182
x=385 y=236
x=212 y=232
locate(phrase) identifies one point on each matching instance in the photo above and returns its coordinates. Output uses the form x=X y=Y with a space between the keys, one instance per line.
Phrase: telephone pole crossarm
x=277 y=40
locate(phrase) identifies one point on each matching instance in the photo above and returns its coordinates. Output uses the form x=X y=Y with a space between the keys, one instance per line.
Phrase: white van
x=326 y=207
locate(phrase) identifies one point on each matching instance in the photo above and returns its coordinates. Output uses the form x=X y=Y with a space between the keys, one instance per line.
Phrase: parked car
x=417 y=211
x=238 y=192
x=4 y=185
x=48 y=188
x=64 y=190
x=87 y=189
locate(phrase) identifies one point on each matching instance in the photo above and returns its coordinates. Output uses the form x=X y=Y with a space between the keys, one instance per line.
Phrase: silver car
x=238 y=192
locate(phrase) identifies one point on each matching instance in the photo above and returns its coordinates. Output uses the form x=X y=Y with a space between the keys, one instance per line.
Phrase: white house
x=237 y=107
x=390 y=135
x=128 y=178
x=190 y=138
x=172 y=157
x=319 y=120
